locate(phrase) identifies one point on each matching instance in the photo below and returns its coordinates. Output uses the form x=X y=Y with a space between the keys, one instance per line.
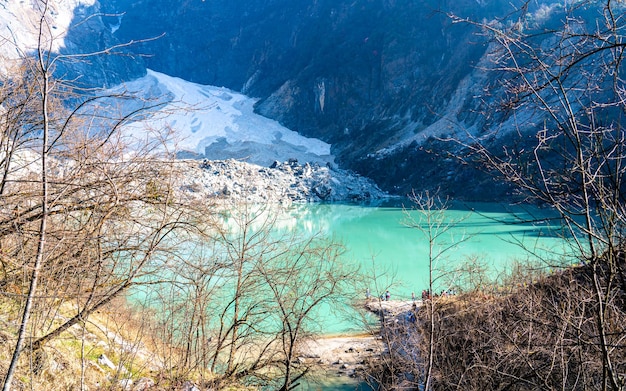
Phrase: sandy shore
x=348 y=349
x=343 y=355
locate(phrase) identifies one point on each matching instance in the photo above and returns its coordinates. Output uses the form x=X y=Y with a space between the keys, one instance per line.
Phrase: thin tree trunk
x=431 y=308
x=32 y=289
x=234 y=336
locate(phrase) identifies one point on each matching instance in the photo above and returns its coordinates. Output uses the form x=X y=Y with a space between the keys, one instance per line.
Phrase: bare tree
x=309 y=277
x=568 y=79
x=412 y=338
x=436 y=225
x=88 y=215
x=240 y=304
x=82 y=214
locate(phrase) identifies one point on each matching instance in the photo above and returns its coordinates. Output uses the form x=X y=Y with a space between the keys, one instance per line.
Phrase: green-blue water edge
x=378 y=239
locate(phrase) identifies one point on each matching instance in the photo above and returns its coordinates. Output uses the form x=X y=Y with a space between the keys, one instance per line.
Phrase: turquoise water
x=395 y=257
x=378 y=238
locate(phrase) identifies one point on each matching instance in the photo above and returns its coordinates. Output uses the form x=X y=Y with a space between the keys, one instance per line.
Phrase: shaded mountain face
x=365 y=76
x=383 y=81
x=107 y=61
x=81 y=47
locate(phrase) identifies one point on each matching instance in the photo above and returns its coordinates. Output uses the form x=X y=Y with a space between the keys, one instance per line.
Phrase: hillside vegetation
x=550 y=326
x=548 y=334
x=90 y=217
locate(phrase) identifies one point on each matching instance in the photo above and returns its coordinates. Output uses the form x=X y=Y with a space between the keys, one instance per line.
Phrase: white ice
x=219 y=123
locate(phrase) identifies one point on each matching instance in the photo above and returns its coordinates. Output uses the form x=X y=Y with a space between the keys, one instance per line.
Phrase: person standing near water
x=387 y=296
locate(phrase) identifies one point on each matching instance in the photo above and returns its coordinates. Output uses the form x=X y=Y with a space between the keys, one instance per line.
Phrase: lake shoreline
x=345 y=353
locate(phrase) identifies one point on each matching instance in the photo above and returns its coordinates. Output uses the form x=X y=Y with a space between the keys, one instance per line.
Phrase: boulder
x=143 y=384
x=104 y=361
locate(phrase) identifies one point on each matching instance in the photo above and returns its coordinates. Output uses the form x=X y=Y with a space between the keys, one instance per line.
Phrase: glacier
x=212 y=122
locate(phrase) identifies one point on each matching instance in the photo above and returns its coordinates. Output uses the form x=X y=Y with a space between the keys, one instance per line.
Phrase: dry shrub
x=542 y=336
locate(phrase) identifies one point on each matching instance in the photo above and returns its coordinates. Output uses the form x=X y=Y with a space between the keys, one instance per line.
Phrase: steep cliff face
x=96 y=57
x=370 y=77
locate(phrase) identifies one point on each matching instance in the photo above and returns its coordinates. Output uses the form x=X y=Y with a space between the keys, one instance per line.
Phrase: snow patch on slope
x=19 y=27
x=218 y=123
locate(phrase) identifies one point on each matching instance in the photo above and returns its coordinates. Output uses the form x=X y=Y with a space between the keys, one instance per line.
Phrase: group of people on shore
x=384 y=297
x=426 y=294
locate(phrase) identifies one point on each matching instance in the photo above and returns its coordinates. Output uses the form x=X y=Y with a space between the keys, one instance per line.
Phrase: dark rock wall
x=96 y=57
x=360 y=74
x=357 y=74
x=325 y=68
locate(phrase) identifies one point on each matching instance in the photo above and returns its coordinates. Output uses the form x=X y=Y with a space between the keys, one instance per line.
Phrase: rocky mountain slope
x=375 y=79
x=381 y=81
x=283 y=182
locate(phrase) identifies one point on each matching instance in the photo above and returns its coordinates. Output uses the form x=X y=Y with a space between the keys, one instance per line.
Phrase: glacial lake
x=378 y=238
x=393 y=256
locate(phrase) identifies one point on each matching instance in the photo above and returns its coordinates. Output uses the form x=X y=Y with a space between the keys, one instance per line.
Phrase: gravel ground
x=282 y=182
